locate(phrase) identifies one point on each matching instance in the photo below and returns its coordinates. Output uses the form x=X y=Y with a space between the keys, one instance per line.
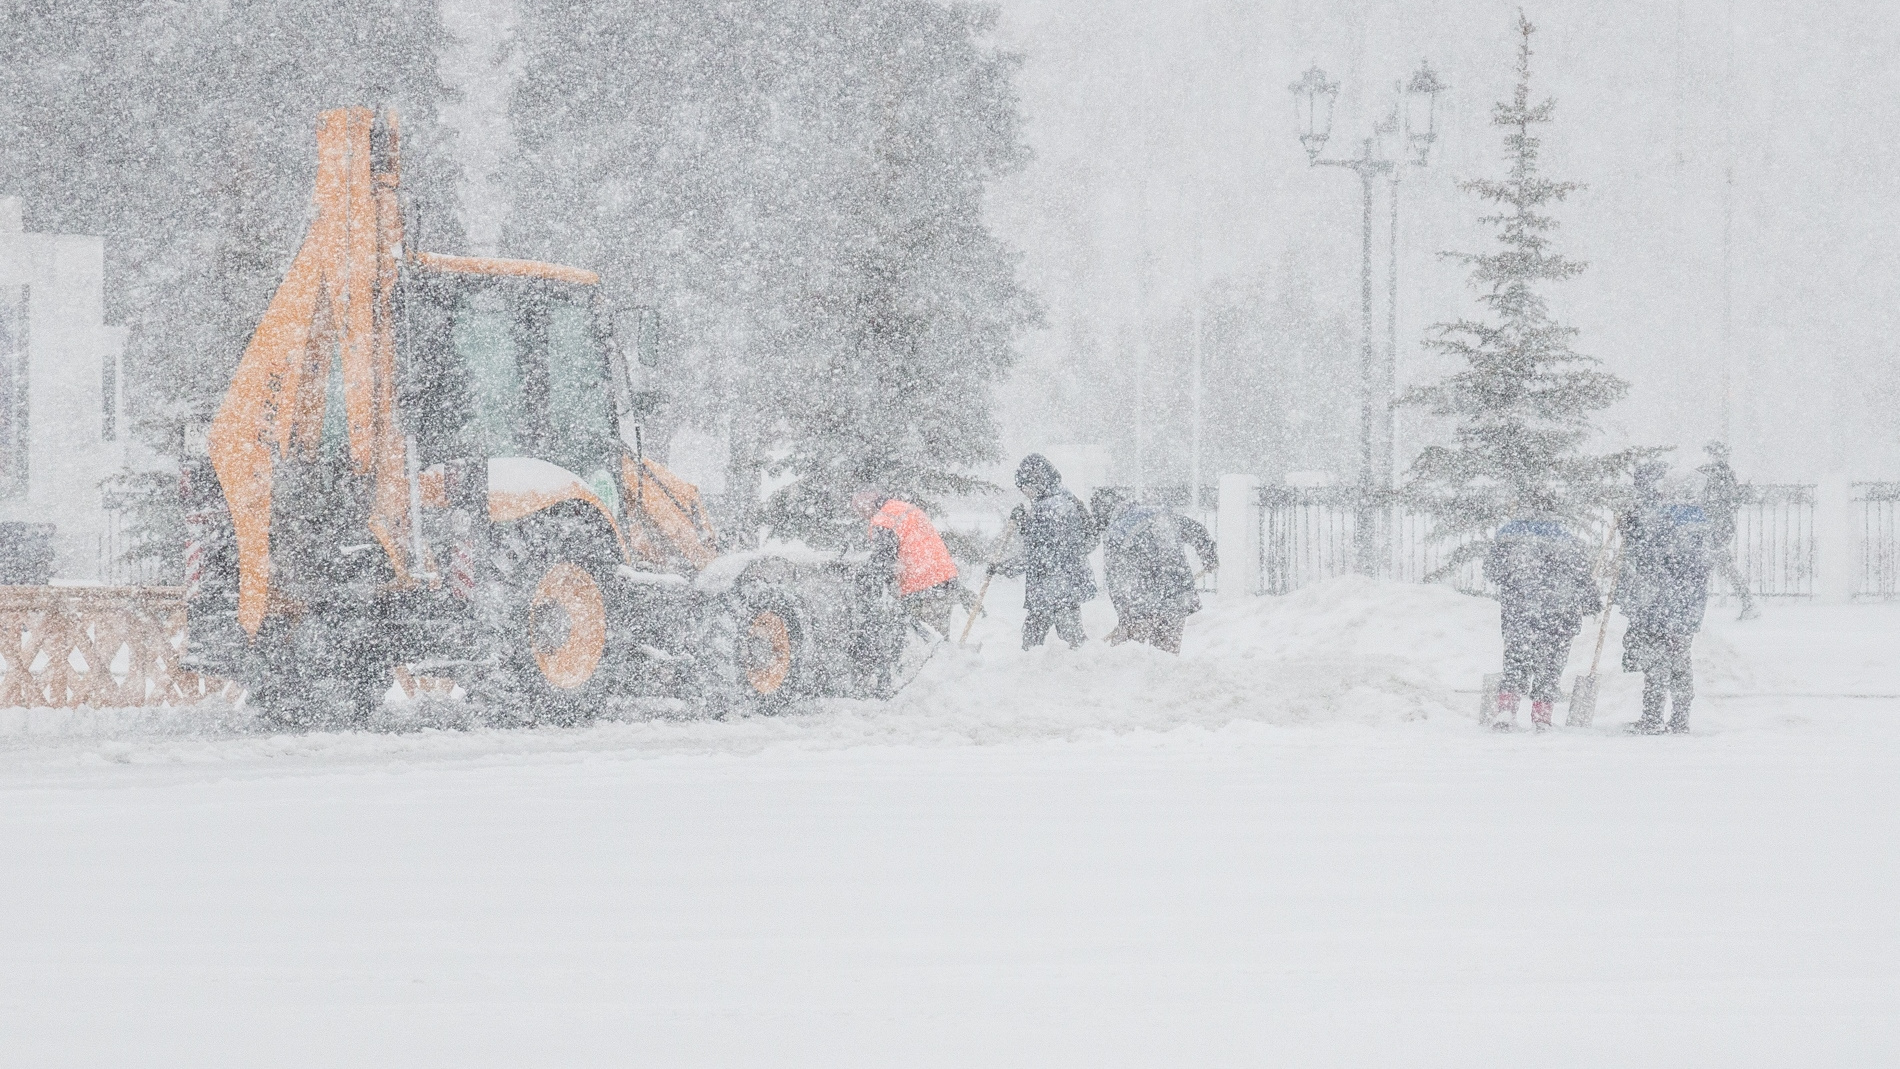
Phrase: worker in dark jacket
x=1145 y=562
x=1055 y=536
x=1545 y=589
x=1664 y=590
x=1722 y=493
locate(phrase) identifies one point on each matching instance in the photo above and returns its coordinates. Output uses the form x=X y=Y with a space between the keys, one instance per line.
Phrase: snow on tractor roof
x=495 y=266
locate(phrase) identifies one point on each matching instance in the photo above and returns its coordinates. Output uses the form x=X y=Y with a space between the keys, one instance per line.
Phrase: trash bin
x=26 y=554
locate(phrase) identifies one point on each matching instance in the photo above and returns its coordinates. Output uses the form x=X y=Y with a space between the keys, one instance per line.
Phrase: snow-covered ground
x=1291 y=846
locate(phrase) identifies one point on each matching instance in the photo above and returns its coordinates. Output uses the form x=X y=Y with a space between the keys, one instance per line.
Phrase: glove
x=1018 y=515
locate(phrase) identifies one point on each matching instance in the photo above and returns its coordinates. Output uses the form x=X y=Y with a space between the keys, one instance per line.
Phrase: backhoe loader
x=433 y=464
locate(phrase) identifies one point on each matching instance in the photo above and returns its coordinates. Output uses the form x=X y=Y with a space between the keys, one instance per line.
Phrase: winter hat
x=866 y=502
x=1036 y=476
x=1650 y=473
x=1104 y=504
x=1543 y=503
x=1717 y=450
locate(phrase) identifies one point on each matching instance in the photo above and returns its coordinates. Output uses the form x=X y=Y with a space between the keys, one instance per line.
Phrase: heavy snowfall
x=912 y=532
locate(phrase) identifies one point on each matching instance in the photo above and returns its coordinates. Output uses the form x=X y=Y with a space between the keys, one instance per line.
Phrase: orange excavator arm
x=335 y=304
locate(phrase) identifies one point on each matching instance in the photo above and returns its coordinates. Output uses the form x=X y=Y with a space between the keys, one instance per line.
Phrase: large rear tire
x=754 y=654
x=541 y=610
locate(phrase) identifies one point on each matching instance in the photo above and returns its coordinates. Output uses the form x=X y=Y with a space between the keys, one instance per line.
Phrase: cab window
x=578 y=395
x=506 y=367
x=488 y=351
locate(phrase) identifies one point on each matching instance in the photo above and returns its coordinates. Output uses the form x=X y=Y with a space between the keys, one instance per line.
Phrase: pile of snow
x=1351 y=651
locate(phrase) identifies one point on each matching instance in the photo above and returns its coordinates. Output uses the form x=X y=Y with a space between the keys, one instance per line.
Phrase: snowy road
x=1061 y=859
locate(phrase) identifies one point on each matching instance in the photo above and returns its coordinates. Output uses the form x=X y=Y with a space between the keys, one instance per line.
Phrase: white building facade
x=62 y=426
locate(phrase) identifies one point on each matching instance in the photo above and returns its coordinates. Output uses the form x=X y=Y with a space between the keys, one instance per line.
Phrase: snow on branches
x=1524 y=400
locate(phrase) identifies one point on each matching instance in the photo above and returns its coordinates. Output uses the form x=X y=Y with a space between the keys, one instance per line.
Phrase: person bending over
x=1545 y=589
x=1144 y=558
x=906 y=547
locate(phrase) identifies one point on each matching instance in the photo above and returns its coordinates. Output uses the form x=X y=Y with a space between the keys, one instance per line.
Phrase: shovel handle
x=984 y=590
x=1603 y=624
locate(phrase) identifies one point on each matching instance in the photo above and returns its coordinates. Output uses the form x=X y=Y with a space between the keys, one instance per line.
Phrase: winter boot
x=1540 y=715
x=1506 y=718
x=1653 y=696
x=1679 y=719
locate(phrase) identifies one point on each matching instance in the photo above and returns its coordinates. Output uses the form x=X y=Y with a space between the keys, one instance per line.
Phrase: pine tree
x=1525 y=400
x=184 y=133
x=797 y=186
x=904 y=339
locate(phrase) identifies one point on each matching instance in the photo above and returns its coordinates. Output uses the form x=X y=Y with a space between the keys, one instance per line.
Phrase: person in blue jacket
x=1055 y=537
x=1663 y=589
x=1545 y=589
x=1145 y=565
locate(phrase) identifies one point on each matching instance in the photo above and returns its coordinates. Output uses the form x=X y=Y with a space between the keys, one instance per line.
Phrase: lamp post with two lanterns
x=1314 y=95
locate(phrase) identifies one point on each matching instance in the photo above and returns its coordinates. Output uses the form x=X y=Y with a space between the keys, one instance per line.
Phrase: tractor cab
x=496 y=366
x=515 y=363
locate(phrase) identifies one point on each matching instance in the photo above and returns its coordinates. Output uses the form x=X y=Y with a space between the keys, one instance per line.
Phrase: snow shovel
x=983 y=591
x=932 y=643
x=1583 y=696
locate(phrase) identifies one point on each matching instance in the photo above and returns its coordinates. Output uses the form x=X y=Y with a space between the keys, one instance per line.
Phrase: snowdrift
x=1350 y=651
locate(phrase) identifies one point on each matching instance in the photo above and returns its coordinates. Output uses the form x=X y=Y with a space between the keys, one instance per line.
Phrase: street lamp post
x=1420 y=133
x=1315 y=95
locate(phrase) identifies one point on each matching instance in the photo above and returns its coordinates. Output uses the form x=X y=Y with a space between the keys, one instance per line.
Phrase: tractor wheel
x=542 y=612
x=773 y=654
x=752 y=655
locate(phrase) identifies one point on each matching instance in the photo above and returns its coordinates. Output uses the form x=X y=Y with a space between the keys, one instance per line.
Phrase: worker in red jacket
x=904 y=542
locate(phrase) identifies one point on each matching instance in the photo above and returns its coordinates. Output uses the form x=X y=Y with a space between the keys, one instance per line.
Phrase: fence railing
x=1877 y=509
x=104 y=647
x=1309 y=534
x=1774 y=544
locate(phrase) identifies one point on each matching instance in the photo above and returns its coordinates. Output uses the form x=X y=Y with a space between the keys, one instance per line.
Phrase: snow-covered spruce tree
x=650 y=146
x=1524 y=401
x=796 y=185
x=900 y=341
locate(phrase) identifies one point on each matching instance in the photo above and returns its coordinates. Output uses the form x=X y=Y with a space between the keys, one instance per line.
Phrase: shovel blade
x=1583 y=703
x=1488 y=698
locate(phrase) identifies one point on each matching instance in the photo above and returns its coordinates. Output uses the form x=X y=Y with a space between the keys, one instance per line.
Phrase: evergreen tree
x=901 y=341
x=184 y=133
x=1525 y=400
x=797 y=186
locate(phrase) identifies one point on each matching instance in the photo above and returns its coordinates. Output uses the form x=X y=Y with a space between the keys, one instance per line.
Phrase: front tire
x=541 y=613
x=754 y=654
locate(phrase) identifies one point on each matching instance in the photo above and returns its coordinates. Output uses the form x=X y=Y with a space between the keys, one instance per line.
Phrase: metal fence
x=1877 y=508
x=1774 y=544
x=1308 y=535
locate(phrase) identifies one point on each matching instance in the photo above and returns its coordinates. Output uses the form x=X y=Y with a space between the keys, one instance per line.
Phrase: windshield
x=506 y=367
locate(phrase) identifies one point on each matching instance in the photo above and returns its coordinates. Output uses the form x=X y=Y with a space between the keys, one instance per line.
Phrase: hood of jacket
x=1037 y=477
